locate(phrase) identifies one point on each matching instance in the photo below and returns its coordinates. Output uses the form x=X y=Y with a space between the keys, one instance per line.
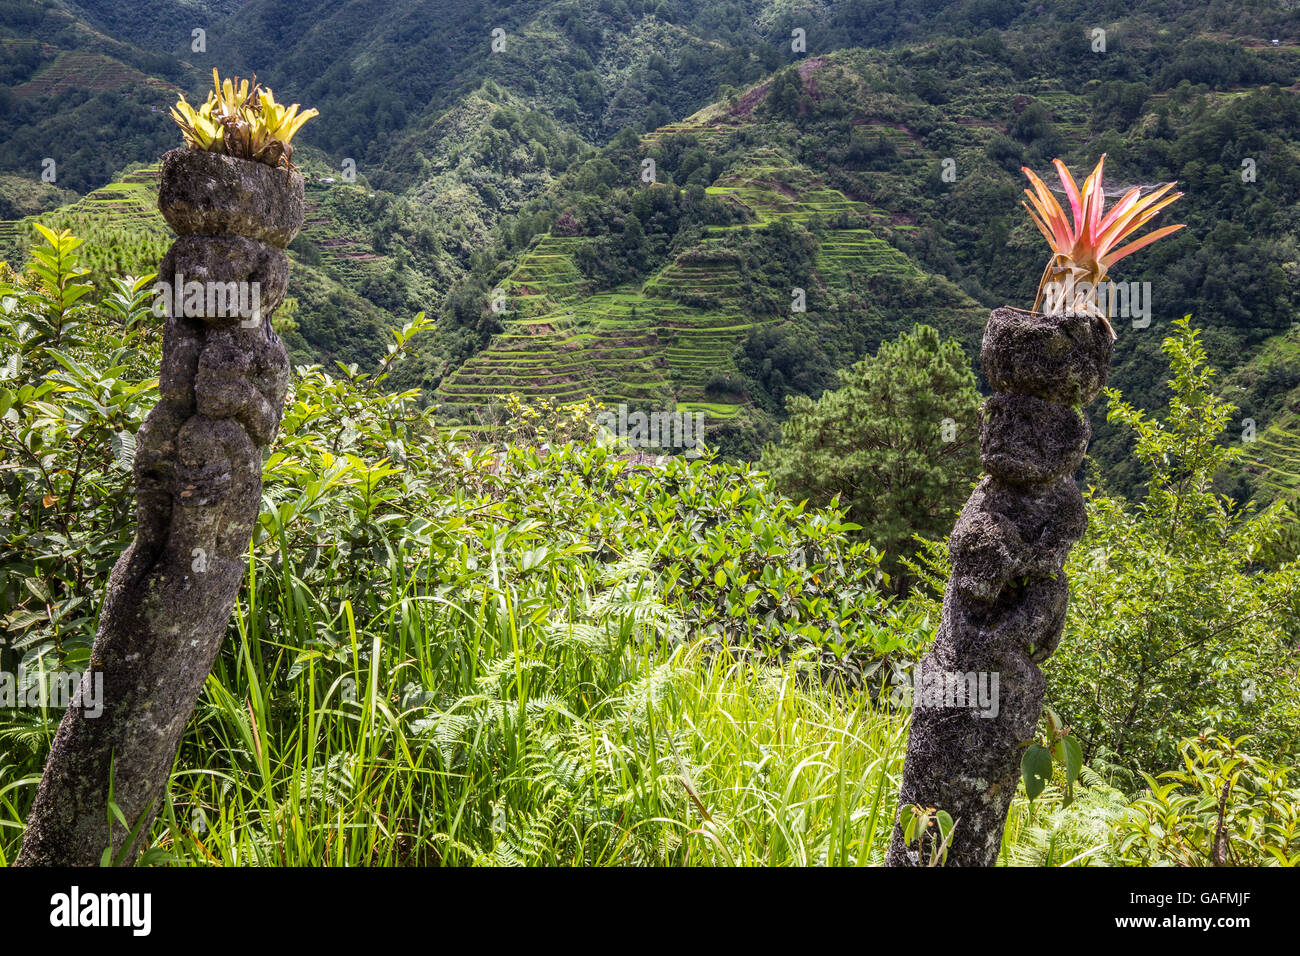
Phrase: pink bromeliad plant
x=1084 y=250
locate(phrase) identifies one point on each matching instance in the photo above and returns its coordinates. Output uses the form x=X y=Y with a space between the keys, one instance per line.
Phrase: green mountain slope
x=672 y=340
x=924 y=144
x=478 y=170
x=74 y=95
x=154 y=24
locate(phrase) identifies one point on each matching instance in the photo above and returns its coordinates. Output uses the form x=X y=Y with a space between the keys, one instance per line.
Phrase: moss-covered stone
x=198 y=472
x=222 y=265
x=1004 y=607
x=210 y=194
x=1059 y=358
x=1026 y=440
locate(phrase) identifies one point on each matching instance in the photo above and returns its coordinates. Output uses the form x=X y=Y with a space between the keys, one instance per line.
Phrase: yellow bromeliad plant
x=241 y=119
x=1084 y=251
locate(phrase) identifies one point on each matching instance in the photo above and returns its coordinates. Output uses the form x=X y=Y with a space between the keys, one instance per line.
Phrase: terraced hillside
x=87 y=70
x=125 y=233
x=346 y=253
x=671 y=341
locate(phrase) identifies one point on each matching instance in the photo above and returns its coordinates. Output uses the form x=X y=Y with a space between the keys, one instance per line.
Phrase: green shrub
x=1175 y=622
x=75 y=386
x=1225 y=808
x=895 y=444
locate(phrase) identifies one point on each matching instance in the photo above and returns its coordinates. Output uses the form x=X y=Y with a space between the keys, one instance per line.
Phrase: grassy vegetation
x=467 y=733
x=521 y=648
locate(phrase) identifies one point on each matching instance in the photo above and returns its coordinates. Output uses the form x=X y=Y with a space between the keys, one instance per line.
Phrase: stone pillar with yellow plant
x=236 y=202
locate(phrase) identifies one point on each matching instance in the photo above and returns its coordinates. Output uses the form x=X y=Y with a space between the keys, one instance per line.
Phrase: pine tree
x=896 y=442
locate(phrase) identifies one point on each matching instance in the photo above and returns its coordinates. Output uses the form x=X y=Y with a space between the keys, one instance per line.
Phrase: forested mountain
x=466 y=148
x=849 y=153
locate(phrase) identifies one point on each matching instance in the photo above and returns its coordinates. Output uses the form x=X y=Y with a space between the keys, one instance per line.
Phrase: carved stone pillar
x=198 y=472
x=1004 y=608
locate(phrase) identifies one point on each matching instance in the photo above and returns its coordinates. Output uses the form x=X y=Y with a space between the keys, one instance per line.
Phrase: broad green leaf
x=1070 y=753
x=1035 y=769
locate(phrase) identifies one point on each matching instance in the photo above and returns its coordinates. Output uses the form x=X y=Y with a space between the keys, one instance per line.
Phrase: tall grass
x=559 y=718
x=483 y=728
